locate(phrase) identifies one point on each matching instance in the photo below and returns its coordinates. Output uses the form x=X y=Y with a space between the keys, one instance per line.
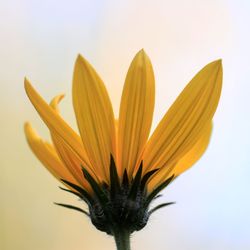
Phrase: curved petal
x=187 y=161
x=184 y=122
x=136 y=112
x=46 y=153
x=71 y=160
x=56 y=124
x=55 y=101
x=95 y=117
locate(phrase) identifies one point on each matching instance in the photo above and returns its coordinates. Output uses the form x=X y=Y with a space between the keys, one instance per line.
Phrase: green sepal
x=72 y=207
x=146 y=177
x=151 y=196
x=136 y=183
x=125 y=180
x=114 y=178
x=160 y=206
x=73 y=192
x=157 y=196
x=85 y=195
x=101 y=196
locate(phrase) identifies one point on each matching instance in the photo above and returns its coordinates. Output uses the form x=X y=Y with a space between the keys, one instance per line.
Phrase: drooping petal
x=70 y=159
x=136 y=112
x=187 y=161
x=47 y=154
x=184 y=122
x=94 y=116
x=56 y=124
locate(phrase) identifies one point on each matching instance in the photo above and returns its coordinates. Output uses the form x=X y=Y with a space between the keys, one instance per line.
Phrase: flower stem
x=122 y=239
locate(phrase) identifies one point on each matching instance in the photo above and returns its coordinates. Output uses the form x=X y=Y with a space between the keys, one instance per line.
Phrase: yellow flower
x=112 y=165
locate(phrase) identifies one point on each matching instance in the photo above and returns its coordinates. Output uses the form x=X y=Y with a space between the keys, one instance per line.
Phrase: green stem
x=122 y=239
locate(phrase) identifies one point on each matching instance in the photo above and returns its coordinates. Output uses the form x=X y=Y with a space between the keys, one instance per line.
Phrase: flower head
x=113 y=165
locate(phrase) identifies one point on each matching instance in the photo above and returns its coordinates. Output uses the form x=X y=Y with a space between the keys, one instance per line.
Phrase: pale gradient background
x=41 y=39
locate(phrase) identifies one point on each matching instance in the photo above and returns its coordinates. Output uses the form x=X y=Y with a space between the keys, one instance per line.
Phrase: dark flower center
x=121 y=205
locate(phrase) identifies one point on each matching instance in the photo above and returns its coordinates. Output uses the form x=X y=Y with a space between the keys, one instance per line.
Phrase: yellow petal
x=116 y=142
x=136 y=111
x=70 y=159
x=46 y=153
x=187 y=161
x=56 y=124
x=94 y=116
x=55 y=101
x=195 y=153
x=116 y=127
x=184 y=122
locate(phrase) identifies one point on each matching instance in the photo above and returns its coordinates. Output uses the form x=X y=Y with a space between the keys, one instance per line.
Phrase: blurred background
x=41 y=39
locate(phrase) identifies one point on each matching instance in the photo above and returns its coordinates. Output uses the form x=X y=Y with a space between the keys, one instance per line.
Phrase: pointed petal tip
x=26 y=82
x=82 y=63
x=141 y=58
x=29 y=132
x=58 y=98
x=27 y=86
x=28 y=129
x=55 y=101
x=80 y=59
x=26 y=126
x=219 y=67
x=216 y=63
x=142 y=53
x=219 y=60
x=214 y=66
